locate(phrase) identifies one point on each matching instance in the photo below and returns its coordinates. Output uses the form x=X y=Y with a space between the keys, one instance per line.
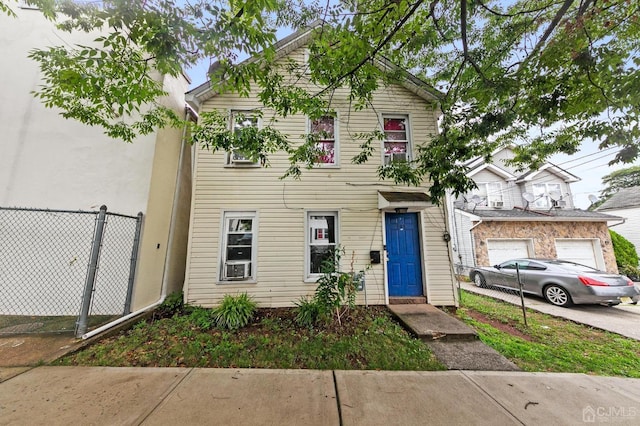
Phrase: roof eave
x=284 y=46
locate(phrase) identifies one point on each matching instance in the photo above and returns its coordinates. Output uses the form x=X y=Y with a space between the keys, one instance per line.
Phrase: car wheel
x=557 y=295
x=478 y=280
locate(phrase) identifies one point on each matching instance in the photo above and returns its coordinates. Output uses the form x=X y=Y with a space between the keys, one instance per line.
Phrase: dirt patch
x=28 y=350
x=504 y=327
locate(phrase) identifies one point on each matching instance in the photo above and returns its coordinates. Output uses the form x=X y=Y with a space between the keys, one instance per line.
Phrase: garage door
x=501 y=250
x=581 y=251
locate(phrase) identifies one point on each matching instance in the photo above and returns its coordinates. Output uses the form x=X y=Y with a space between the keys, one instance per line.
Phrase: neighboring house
x=48 y=162
x=253 y=232
x=626 y=204
x=513 y=214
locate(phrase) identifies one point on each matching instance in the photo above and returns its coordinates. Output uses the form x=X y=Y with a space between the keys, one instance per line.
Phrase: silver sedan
x=560 y=282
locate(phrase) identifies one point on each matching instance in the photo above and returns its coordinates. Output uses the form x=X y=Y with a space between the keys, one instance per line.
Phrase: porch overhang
x=406 y=201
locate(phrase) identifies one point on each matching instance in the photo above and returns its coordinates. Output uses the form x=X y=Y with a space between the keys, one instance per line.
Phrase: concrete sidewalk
x=168 y=396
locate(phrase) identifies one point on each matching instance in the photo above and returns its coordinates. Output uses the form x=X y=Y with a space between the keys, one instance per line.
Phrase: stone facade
x=543 y=235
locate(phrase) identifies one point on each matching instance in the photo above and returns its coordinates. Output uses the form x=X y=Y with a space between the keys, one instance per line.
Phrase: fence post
x=133 y=265
x=83 y=319
x=524 y=310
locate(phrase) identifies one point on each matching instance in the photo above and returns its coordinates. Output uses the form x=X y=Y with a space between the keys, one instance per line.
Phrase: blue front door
x=404 y=272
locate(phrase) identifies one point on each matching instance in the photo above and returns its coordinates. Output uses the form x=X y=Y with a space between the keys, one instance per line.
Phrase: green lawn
x=369 y=338
x=550 y=343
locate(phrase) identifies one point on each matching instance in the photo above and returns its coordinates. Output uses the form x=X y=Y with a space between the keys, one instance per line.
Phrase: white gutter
x=471 y=229
x=616 y=224
x=174 y=214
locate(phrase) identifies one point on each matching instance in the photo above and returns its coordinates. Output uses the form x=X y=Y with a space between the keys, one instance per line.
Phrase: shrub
x=308 y=312
x=335 y=293
x=631 y=272
x=626 y=254
x=234 y=312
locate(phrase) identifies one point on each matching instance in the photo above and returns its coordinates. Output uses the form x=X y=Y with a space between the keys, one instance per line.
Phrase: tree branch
x=552 y=26
x=375 y=51
x=465 y=45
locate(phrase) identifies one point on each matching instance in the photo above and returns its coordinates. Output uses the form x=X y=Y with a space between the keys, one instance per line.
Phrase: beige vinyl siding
x=282 y=206
x=438 y=277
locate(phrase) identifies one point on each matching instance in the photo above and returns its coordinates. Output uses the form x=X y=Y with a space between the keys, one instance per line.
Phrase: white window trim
x=384 y=115
x=490 y=196
x=308 y=277
x=336 y=144
x=222 y=244
x=228 y=163
x=545 y=196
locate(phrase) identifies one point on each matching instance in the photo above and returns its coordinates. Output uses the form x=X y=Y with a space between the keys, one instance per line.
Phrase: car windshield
x=572 y=266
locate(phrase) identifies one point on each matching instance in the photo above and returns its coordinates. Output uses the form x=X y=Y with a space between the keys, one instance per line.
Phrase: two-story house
x=256 y=233
x=513 y=214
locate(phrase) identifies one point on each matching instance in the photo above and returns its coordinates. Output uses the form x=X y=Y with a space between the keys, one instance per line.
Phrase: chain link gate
x=65 y=271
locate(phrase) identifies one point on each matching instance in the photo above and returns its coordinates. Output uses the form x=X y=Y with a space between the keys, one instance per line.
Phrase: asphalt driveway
x=623 y=319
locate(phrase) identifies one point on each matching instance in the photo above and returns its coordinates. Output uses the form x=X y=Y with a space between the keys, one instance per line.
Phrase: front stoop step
x=429 y=323
x=417 y=300
x=453 y=343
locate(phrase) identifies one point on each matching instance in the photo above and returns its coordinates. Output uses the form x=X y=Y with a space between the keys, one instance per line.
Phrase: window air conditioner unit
x=237 y=270
x=560 y=204
x=497 y=204
x=238 y=157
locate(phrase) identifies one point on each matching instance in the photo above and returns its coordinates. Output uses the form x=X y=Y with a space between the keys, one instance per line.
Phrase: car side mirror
x=496 y=266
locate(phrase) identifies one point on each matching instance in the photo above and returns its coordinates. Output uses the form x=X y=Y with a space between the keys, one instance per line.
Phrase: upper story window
x=241 y=120
x=542 y=193
x=491 y=192
x=397 y=138
x=238 y=242
x=324 y=130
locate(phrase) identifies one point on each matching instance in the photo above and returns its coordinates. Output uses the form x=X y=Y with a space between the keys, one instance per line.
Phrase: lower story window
x=238 y=243
x=322 y=237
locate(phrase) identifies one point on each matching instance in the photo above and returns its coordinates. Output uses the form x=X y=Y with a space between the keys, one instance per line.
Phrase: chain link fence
x=65 y=271
x=501 y=285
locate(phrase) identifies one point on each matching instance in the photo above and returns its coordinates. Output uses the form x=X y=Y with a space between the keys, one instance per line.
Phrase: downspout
x=473 y=246
x=174 y=214
x=447 y=227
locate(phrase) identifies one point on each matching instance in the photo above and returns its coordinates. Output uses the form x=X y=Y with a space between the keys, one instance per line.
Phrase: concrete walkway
x=169 y=396
x=454 y=344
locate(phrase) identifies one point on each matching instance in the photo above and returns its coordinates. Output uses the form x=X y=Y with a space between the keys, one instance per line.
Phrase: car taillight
x=629 y=282
x=591 y=281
